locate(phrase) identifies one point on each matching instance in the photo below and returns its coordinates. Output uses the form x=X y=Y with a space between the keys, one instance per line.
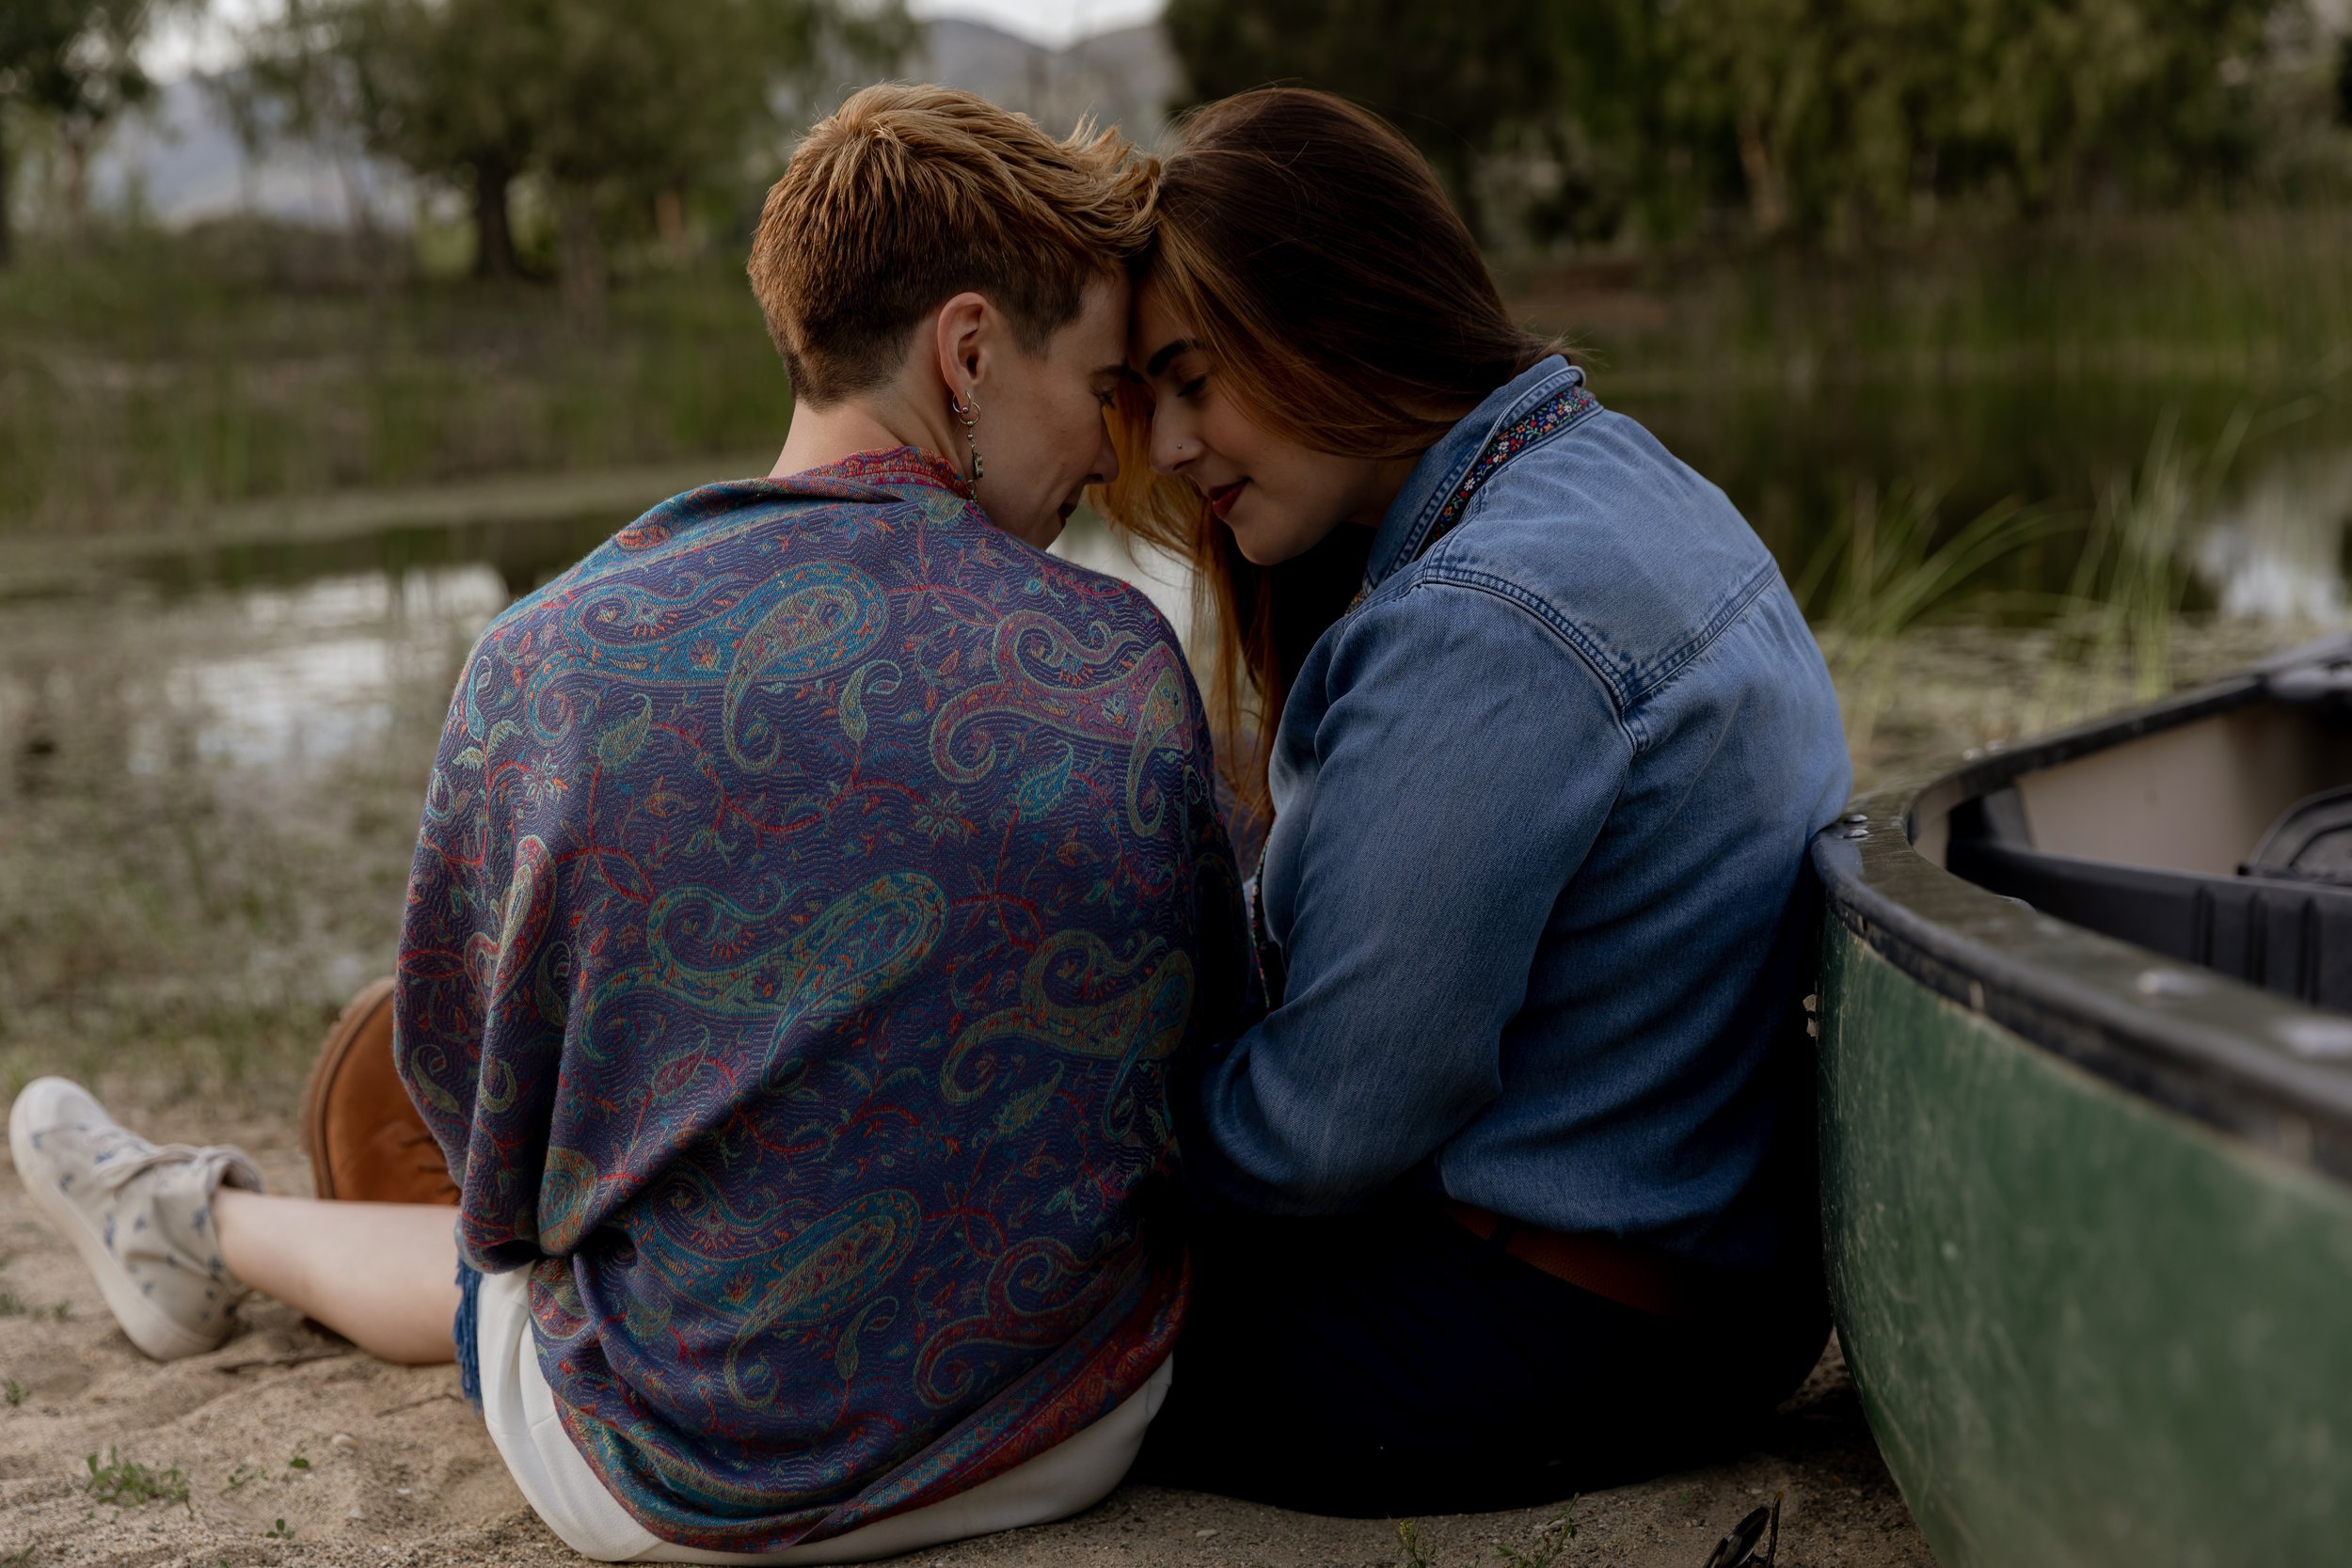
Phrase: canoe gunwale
x=2203 y=1045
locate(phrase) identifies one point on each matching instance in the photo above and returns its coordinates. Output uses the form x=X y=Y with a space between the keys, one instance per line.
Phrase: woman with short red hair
x=815 y=886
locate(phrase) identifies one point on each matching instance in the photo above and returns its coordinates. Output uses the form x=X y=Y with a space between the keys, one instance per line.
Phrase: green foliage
x=1832 y=120
x=1416 y=1549
x=278 y=1531
x=14 y=1392
x=2133 y=573
x=611 y=103
x=13 y=1305
x=1864 y=114
x=127 y=1483
x=1889 y=565
x=144 y=383
x=1451 y=76
x=74 y=58
x=242 y=1476
x=73 y=62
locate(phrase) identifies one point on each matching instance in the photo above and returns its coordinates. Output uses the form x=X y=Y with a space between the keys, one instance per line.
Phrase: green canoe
x=2087 y=1132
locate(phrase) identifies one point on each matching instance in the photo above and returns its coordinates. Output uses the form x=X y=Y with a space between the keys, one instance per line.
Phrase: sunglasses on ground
x=1752 y=1542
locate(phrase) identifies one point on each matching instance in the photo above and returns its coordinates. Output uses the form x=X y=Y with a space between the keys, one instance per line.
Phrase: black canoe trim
x=2246 y=1061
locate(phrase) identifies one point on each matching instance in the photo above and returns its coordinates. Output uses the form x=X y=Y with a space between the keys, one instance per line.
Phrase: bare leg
x=381 y=1274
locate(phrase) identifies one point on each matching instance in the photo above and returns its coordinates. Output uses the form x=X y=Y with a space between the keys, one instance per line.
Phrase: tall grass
x=141 y=385
x=2235 y=295
x=148 y=380
x=1890 y=565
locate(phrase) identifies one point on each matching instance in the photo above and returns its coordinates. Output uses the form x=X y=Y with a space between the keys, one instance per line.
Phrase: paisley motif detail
x=529 y=899
x=838 y=1261
x=744 y=636
x=1143 y=705
x=1079 y=999
x=567 y=1186
x=1037 y=1293
x=812 y=630
x=885 y=677
x=819 y=1276
x=618 y=746
x=900 y=466
x=864 y=943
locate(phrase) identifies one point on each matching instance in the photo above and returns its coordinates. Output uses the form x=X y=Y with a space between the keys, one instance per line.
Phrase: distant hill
x=180 y=162
x=1124 y=77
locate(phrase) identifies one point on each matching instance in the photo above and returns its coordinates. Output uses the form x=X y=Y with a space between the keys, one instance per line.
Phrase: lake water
x=289 y=652
x=210 y=759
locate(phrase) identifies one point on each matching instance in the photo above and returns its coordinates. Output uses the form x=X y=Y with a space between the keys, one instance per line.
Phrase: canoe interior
x=2085 y=1132
x=2151 y=839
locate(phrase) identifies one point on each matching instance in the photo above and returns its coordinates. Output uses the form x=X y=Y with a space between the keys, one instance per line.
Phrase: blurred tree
x=428 y=86
x=617 y=107
x=32 y=33
x=632 y=103
x=74 y=61
x=1453 y=77
x=1840 y=117
x=1819 y=118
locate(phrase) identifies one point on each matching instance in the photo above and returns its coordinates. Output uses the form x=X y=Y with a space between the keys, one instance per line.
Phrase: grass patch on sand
x=127 y=1483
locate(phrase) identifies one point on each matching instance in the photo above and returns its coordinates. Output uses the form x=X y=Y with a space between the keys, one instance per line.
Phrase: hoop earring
x=969 y=412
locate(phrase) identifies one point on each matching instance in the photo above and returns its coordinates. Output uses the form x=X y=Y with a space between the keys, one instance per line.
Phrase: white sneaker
x=140 y=1215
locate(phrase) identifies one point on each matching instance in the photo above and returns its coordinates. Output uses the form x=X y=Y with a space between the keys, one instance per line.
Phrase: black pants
x=1389 y=1364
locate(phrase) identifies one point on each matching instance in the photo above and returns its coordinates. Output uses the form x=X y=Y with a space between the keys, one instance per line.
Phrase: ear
x=962 y=331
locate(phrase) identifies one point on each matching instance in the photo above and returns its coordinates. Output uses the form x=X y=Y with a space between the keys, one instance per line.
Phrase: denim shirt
x=1536 y=871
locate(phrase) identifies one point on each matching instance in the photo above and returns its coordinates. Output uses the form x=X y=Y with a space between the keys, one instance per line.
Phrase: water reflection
x=285 y=657
x=215 y=663
x=2277 y=551
x=212 y=684
x=326 y=665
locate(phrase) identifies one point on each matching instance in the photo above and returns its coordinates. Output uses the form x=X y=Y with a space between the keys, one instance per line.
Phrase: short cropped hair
x=907 y=195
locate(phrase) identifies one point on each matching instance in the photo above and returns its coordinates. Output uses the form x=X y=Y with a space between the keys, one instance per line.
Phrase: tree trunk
x=669 y=220
x=77 y=138
x=579 y=258
x=1768 y=204
x=7 y=232
x=493 y=235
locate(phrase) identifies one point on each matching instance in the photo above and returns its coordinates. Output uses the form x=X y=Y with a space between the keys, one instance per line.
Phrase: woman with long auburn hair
x=1510 y=1191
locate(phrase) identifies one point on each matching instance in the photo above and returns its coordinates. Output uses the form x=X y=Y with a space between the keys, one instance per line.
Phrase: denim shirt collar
x=1406 y=522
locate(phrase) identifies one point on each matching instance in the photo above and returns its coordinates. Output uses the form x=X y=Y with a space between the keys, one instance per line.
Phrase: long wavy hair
x=1313 y=254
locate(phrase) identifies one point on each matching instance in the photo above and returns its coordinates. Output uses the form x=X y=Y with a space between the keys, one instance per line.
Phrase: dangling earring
x=969 y=412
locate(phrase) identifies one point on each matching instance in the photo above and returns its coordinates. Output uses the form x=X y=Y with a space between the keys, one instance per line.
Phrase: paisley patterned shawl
x=815 y=889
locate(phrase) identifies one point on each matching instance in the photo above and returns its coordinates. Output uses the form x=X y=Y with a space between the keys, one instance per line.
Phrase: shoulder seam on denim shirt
x=1675 y=660
x=1543 y=615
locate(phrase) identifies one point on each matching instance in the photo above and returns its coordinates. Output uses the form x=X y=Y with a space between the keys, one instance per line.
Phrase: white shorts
x=520 y=1411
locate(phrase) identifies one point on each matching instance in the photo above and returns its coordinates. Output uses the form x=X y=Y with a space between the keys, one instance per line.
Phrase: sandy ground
x=209 y=805
x=397 y=1469
x=187 y=895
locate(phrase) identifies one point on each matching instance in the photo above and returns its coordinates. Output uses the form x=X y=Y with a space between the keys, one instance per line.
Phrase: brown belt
x=1625 y=1274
